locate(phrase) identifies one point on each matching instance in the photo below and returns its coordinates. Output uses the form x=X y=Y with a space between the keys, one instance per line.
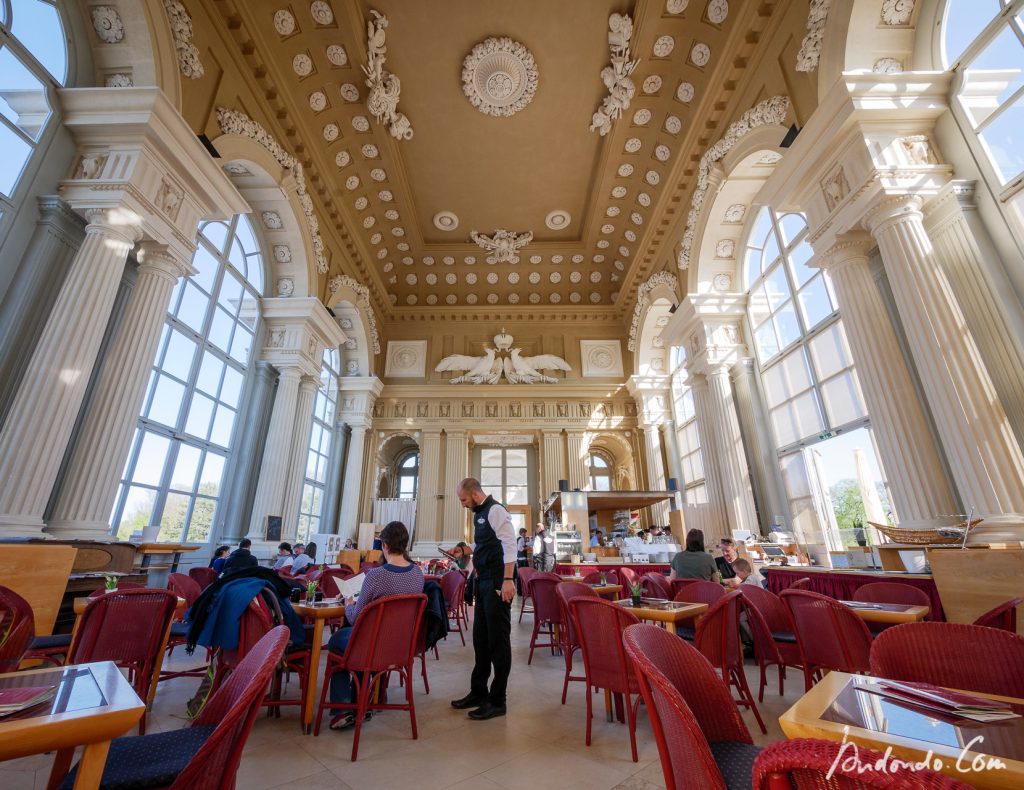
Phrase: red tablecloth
x=639 y=568
x=843 y=586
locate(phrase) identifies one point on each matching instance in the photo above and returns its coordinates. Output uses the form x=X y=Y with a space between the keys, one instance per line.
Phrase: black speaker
x=563 y=485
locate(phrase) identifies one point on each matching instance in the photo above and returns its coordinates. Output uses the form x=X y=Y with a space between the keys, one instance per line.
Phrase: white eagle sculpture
x=489 y=368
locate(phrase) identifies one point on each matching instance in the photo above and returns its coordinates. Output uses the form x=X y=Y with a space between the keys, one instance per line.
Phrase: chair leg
x=412 y=709
x=362 y=699
x=631 y=713
x=782 y=678
x=590 y=713
x=568 y=671
x=764 y=682
x=740 y=679
x=423 y=665
x=533 y=640
x=323 y=696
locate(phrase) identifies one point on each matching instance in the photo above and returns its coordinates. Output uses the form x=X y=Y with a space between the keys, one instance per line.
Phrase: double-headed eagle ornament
x=502 y=360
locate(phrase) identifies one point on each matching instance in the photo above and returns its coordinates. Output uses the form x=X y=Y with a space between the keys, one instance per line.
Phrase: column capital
x=309 y=383
x=950 y=204
x=162 y=261
x=53 y=208
x=891 y=209
x=849 y=248
x=117 y=222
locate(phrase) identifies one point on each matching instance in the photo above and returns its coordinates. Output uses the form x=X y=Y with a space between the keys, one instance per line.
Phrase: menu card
x=13 y=700
x=349 y=588
x=935 y=698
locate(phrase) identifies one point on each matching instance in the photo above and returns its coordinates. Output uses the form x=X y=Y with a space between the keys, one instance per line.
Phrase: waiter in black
x=494 y=558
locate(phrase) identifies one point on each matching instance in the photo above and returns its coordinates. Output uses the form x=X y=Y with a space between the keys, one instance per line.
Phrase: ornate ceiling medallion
x=499 y=77
x=385 y=87
x=503 y=246
x=446 y=220
x=558 y=219
x=616 y=76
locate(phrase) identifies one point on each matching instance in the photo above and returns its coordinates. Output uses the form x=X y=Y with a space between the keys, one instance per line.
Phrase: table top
x=888 y=612
x=835 y=707
x=808 y=570
x=93 y=703
x=81 y=603
x=665 y=611
x=324 y=610
x=166 y=548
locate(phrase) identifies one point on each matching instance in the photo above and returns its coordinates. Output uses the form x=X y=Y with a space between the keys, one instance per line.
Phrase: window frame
x=311 y=487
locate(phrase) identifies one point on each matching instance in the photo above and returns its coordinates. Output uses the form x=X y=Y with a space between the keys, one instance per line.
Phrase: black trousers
x=492 y=642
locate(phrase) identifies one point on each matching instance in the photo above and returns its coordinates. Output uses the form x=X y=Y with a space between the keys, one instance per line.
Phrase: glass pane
x=241 y=343
x=490 y=457
x=199 y=413
x=757 y=304
x=138 y=511
x=767 y=344
x=598 y=461
x=231 y=290
x=409 y=462
x=1004 y=139
x=244 y=233
x=762 y=227
x=172 y=522
x=192 y=310
x=798 y=257
x=213 y=470
x=791 y=226
x=237 y=256
x=771 y=251
x=516 y=495
x=787 y=325
x=217 y=233
x=202 y=519
x=786 y=378
x=830 y=352
x=797 y=419
x=515 y=476
x=752 y=265
x=315 y=435
x=490 y=477
x=220 y=329
x=206 y=268
x=149 y=465
x=166 y=401
x=601 y=483
x=16 y=154
x=222 y=425
x=776 y=288
x=1003 y=53
x=232 y=388
x=842 y=399
x=178 y=359
x=965 y=19
x=209 y=374
x=22 y=96
x=185 y=468
x=515 y=458
x=815 y=303
x=37 y=26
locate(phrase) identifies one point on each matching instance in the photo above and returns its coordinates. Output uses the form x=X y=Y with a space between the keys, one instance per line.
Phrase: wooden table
x=888 y=612
x=603 y=590
x=868 y=720
x=671 y=613
x=93 y=705
x=319 y=614
x=148 y=550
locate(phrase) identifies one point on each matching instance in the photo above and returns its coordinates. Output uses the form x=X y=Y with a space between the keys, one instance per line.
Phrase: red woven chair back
x=718 y=632
x=675 y=585
x=892 y=592
x=805 y=764
x=1003 y=616
x=546 y=608
x=800 y=584
x=386 y=633
x=329 y=585
x=666 y=668
x=184 y=587
x=525 y=574
x=17 y=628
x=830 y=635
x=701 y=591
x=204 y=577
x=657 y=585
x=254 y=624
x=966 y=657
x=610 y=577
x=765 y=647
x=568 y=591
x=453 y=587
x=599 y=626
x=232 y=708
x=628 y=577
x=314 y=575
x=126 y=627
x=769 y=606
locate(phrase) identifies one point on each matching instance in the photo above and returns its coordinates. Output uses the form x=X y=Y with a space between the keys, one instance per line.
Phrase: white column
x=295 y=473
x=579 y=472
x=737 y=492
x=42 y=416
x=703 y=411
x=352 y=484
x=986 y=460
x=269 y=499
x=675 y=464
x=456 y=462
x=902 y=434
x=655 y=471
x=427 y=489
x=332 y=489
x=90 y=486
x=553 y=463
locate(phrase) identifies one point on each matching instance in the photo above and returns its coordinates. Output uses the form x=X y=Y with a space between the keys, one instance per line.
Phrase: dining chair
x=1003 y=616
x=599 y=625
x=891 y=592
x=525 y=574
x=656 y=585
x=569 y=640
x=829 y=634
x=810 y=763
x=702 y=739
x=628 y=578
x=17 y=629
x=697 y=591
x=954 y=655
x=802 y=583
x=675 y=585
x=547 y=612
x=188 y=588
x=203 y=576
x=206 y=754
x=453 y=586
x=773 y=633
x=383 y=641
x=611 y=577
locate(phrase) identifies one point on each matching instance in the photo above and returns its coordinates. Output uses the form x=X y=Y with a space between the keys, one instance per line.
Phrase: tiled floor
x=540 y=743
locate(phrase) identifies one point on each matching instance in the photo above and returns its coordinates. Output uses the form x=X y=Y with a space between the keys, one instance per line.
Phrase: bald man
x=494 y=558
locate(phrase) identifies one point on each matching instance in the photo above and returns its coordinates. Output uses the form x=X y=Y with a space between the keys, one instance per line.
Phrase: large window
x=504 y=474
x=174 y=471
x=33 y=63
x=321 y=433
x=408 y=476
x=600 y=473
x=984 y=45
x=685 y=416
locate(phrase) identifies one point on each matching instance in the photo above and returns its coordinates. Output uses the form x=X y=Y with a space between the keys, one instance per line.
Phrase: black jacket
x=435 y=616
x=238 y=560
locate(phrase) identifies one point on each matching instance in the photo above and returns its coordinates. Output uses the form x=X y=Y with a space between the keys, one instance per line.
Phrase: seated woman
x=462 y=554
x=695 y=562
x=303 y=562
x=397 y=576
x=220 y=556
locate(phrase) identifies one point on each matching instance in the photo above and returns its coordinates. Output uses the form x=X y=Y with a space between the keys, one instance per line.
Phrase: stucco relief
x=106 y=21
x=616 y=76
x=362 y=299
x=655 y=280
x=601 y=358
x=181 y=28
x=897 y=12
x=406 y=359
x=385 y=87
x=499 y=76
x=810 y=48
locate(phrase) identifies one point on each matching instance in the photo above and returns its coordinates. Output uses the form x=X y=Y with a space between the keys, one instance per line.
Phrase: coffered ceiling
x=594 y=204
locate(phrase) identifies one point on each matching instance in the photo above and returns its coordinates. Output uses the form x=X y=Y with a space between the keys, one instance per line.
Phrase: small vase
x=636 y=600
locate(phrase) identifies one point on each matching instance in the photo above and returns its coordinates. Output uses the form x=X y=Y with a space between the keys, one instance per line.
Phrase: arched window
x=321 y=432
x=33 y=64
x=983 y=43
x=408 y=476
x=174 y=471
x=687 y=436
x=600 y=473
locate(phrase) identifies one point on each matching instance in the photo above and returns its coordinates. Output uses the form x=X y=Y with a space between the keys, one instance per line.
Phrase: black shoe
x=471 y=700
x=487 y=711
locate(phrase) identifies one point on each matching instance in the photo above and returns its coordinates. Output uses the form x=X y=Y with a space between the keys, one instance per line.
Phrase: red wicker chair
x=773 y=632
x=525 y=574
x=806 y=763
x=656 y=585
x=802 y=583
x=208 y=751
x=203 y=576
x=628 y=577
x=718 y=639
x=188 y=588
x=697 y=591
x=1003 y=616
x=829 y=634
x=599 y=625
x=891 y=592
x=383 y=641
x=567 y=591
x=128 y=628
x=17 y=629
x=547 y=612
x=966 y=657
x=675 y=585
x=611 y=577
x=453 y=587
x=697 y=727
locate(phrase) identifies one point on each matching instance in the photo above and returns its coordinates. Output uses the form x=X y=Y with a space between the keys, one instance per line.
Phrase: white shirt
x=284 y=561
x=501 y=523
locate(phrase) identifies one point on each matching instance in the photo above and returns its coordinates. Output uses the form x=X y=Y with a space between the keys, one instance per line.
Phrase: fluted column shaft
x=902 y=434
x=675 y=462
x=42 y=416
x=986 y=460
x=332 y=490
x=429 y=486
x=90 y=486
x=738 y=495
x=456 y=462
x=295 y=473
x=579 y=467
x=655 y=471
x=703 y=411
x=554 y=463
x=269 y=498
x=352 y=483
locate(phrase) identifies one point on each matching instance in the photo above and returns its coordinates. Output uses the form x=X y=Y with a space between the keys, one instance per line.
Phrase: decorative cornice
x=655 y=280
x=181 y=29
x=769 y=111
x=235 y=122
x=385 y=87
x=616 y=76
x=363 y=298
x=810 y=48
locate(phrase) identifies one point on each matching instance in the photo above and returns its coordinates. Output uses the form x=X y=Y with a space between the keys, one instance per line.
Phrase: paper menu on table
x=349 y=588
